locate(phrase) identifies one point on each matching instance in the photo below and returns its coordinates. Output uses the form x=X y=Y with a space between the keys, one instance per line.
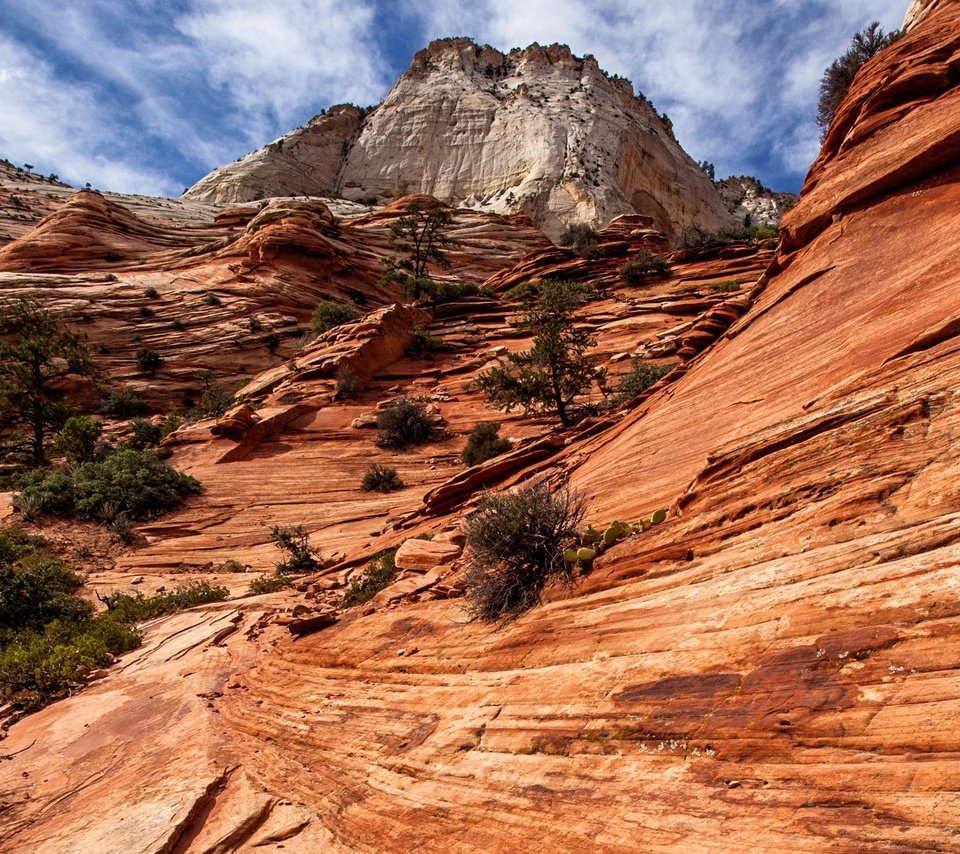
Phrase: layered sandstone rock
x=536 y=130
x=751 y=203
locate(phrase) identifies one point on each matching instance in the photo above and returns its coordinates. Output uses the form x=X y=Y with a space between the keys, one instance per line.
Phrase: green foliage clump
x=581 y=238
x=639 y=378
x=728 y=287
x=77 y=439
x=294 y=542
x=380 y=572
x=839 y=75
x=37 y=352
x=269 y=584
x=379 y=478
x=148 y=361
x=420 y=237
x=138 y=608
x=484 y=443
x=516 y=542
x=136 y=483
x=123 y=403
x=440 y=292
x=423 y=342
x=402 y=423
x=644 y=267
x=524 y=292
x=50 y=639
x=146 y=434
x=550 y=376
x=328 y=315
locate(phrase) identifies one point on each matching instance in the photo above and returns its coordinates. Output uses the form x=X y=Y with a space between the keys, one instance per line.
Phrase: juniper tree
x=556 y=370
x=37 y=352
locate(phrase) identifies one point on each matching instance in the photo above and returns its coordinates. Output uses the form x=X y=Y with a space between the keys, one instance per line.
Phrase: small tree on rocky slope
x=37 y=353
x=836 y=80
x=420 y=238
x=550 y=376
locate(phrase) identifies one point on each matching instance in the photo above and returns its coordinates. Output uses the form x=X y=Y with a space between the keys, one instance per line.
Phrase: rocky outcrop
x=751 y=203
x=919 y=9
x=536 y=130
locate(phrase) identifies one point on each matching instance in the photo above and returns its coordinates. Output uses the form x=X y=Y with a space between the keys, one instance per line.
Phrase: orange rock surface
x=773 y=668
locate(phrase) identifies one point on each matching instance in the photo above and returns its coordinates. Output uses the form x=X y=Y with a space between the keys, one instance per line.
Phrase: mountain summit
x=537 y=130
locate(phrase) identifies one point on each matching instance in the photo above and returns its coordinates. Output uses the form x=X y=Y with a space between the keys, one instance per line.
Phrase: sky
x=147 y=96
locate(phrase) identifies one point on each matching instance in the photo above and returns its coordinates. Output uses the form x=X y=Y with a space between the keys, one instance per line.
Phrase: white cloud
x=64 y=129
x=280 y=57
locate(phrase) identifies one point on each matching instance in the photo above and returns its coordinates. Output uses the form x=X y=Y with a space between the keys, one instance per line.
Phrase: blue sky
x=149 y=95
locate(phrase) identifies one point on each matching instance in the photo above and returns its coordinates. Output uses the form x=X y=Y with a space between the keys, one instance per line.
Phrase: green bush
x=440 y=292
x=138 y=608
x=294 y=541
x=148 y=361
x=484 y=443
x=726 y=287
x=269 y=584
x=45 y=491
x=516 y=542
x=525 y=292
x=329 y=314
x=49 y=638
x=146 y=434
x=123 y=403
x=644 y=267
x=380 y=572
x=424 y=342
x=380 y=478
x=151 y=293
x=402 y=423
x=641 y=376
x=581 y=238
x=136 y=483
x=77 y=439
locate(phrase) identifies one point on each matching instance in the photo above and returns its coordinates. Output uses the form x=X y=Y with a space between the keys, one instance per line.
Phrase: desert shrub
x=137 y=483
x=581 y=238
x=146 y=311
x=484 y=443
x=525 y=292
x=440 y=292
x=726 y=287
x=211 y=298
x=45 y=491
x=423 y=342
x=177 y=324
x=329 y=314
x=172 y=422
x=137 y=608
x=146 y=434
x=380 y=572
x=516 y=542
x=294 y=542
x=640 y=377
x=347 y=383
x=123 y=403
x=380 y=478
x=151 y=293
x=269 y=584
x=644 y=267
x=402 y=423
x=148 y=361
x=77 y=439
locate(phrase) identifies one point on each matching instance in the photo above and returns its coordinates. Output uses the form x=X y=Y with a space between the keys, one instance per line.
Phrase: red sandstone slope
x=772 y=669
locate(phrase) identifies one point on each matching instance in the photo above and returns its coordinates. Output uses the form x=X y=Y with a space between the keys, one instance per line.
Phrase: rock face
x=752 y=203
x=773 y=668
x=536 y=130
x=919 y=9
